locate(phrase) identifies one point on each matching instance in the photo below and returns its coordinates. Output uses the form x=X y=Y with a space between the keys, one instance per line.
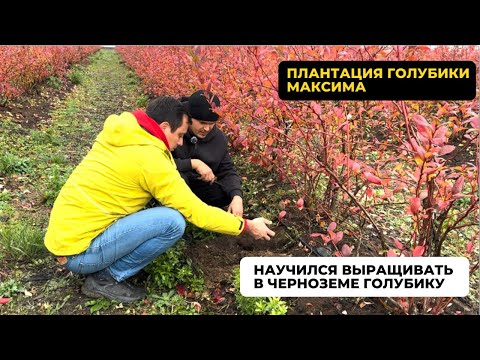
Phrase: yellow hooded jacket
x=125 y=168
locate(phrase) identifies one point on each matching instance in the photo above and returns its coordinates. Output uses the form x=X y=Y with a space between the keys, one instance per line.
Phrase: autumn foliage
x=329 y=142
x=21 y=67
x=398 y=178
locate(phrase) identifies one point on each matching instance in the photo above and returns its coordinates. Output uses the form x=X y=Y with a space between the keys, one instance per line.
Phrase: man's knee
x=179 y=222
x=172 y=221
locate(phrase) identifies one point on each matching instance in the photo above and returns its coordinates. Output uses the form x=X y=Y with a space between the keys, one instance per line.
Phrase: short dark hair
x=169 y=109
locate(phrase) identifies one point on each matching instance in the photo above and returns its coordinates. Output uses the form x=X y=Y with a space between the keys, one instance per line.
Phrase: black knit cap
x=200 y=108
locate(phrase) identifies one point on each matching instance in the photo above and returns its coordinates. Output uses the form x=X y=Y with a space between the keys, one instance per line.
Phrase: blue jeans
x=130 y=243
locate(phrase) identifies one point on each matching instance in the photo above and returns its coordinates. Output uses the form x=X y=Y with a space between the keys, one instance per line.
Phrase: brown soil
x=217 y=258
x=33 y=108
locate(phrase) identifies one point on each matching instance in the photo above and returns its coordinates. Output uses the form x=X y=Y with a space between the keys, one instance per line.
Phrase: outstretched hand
x=258 y=228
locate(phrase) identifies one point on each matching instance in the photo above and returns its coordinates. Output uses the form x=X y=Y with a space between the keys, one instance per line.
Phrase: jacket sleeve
x=184 y=165
x=164 y=182
x=227 y=175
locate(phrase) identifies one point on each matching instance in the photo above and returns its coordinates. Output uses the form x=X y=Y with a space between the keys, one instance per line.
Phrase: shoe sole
x=99 y=294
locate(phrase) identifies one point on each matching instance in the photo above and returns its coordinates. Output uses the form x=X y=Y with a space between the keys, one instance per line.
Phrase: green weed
x=142 y=101
x=54 y=284
x=54 y=82
x=11 y=288
x=172 y=304
x=75 y=76
x=6 y=209
x=18 y=241
x=172 y=268
x=45 y=136
x=5 y=196
x=12 y=164
x=50 y=309
x=257 y=305
x=194 y=234
x=56 y=179
x=97 y=305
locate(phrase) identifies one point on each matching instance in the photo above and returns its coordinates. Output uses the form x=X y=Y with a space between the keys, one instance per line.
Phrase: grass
x=56 y=178
x=75 y=75
x=21 y=241
x=33 y=171
x=172 y=268
x=10 y=288
x=12 y=164
x=257 y=305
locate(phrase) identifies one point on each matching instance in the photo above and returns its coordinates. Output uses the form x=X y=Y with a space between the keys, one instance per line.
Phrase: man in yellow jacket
x=98 y=224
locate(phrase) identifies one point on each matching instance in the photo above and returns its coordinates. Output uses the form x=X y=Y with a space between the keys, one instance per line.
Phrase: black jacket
x=213 y=151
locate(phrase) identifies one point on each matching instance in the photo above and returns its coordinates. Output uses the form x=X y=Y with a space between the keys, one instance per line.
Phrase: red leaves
x=23 y=66
x=316 y=107
x=423 y=126
x=420 y=121
x=473 y=121
x=458 y=185
x=469 y=247
x=300 y=203
x=181 y=290
x=217 y=296
x=326 y=238
x=332 y=236
x=446 y=149
x=369 y=192
x=343 y=126
x=439 y=138
x=399 y=149
x=418 y=149
x=418 y=251
x=353 y=165
x=372 y=178
x=398 y=244
x=332 y=226
x=346 y=250
x=391 y=253
x=4 y=300
x=338 y=236
x=414 y=205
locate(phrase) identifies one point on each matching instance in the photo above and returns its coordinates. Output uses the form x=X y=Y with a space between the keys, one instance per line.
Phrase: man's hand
x=258 y=228
x=206 y=174
x=236 y=206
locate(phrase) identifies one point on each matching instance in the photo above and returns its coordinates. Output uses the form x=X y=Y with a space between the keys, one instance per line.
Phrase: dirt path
x=52 y=127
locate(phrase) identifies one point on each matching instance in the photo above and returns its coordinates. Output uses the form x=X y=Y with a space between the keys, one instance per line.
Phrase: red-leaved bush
x=21 y=67
x=399 y=178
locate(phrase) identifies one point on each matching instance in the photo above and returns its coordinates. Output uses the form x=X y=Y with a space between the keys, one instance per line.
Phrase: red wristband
x=245 y=227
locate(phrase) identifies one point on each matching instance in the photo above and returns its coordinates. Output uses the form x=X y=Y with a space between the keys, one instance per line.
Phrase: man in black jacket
x=204 y=161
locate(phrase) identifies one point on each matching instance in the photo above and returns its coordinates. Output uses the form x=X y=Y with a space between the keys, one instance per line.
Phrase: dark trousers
x=211 y=194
